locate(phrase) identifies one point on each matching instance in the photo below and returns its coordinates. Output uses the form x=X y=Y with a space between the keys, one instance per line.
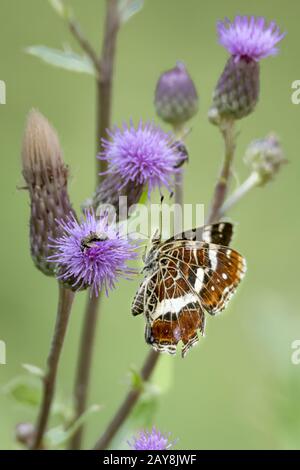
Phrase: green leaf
x=136 y=380
x=61 y=8
x=24 y=391
x=66 y=59
x=59 y=435
x=62 y=410
x=143 y=413
x=128 y=8
x=56 y=436
x=34 y=370
x=58 y=6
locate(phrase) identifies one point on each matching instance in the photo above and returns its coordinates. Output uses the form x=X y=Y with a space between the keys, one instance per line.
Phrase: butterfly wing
x=177 y=314
x=145 y=300
x=212 y=271
x=220 y=233
x=192 y=276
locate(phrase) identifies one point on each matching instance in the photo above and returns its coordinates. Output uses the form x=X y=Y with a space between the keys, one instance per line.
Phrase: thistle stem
x=104 y=83
x=66 y=297
x=179 y=189
x=221 y=188
x=251 y=182
x=103 y=119
x=178 y=193
x=127 y=405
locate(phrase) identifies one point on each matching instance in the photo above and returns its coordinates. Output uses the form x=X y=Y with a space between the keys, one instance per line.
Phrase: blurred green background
x=238 y=389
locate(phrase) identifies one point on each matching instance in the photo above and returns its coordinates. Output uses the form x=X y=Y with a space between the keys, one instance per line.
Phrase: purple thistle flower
x=145 y=155
x=151 y=440
x=91 y=253
x=249 y=37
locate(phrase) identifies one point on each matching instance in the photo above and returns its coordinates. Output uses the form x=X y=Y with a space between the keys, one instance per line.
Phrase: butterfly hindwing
x=177 y=315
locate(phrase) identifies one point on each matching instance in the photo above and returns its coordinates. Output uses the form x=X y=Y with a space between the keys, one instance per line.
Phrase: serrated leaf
x=24 y=391
x=34 y=370
x=67 y=59
x=128 y=8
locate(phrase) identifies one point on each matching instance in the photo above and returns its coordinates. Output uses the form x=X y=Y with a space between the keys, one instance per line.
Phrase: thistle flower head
x=141 y=156
x=46 y=177
x=249 y=37
x=151 y=440
x=91 y=253
x=176 y=98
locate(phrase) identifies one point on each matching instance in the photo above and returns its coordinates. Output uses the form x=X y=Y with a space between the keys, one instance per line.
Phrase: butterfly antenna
x=161 y=214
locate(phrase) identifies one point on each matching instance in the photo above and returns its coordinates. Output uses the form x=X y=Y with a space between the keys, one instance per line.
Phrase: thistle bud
x=265 y=157
x=46 y=177
x=237 y=90
x=24 y=433
x=176 y=98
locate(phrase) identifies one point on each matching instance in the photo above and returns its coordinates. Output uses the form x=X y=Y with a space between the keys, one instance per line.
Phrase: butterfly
x=186 y=276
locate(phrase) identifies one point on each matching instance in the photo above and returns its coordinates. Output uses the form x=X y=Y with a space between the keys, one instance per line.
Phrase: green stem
x=251 y=182
x=228 y=131
x=66 y=297
x=104 y=82
x=178 y=193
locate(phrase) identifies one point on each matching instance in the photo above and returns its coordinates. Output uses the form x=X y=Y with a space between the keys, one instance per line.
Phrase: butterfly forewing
x=212 y=271
x=220 y=234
